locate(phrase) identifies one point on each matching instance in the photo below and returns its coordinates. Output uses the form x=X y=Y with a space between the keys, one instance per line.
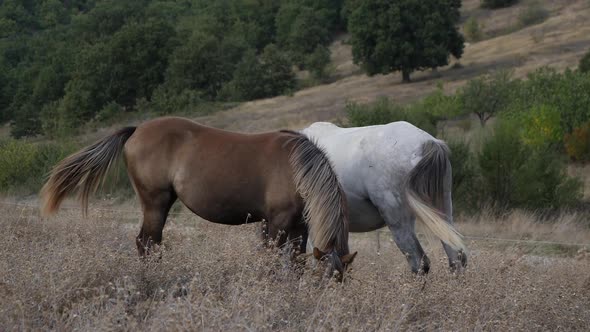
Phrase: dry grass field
x=71 y=273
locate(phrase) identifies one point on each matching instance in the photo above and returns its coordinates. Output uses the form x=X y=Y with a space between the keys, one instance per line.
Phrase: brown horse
x=224 y=177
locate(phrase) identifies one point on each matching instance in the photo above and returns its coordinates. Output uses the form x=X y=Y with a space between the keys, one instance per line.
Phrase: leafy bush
x=497 y=3
x=533 y=13
x=584 y=65
x=317 y=62
x=542 y=126
x=542 y=182
x=167 y=100
x=109 y=113
x=568 y=93
x=384 y=111
x=26 y=122
x=465 y=177
x=500 y=159
x=440 y=105
x=472 y=30
x=577 y=143
x=517 y=175
x=24 y=165
x=267 y=75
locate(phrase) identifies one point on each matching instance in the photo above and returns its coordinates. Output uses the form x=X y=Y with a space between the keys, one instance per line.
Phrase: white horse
x=392 y=174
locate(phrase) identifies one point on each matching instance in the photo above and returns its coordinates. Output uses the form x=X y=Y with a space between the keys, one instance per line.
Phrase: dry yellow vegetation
x=70 y=273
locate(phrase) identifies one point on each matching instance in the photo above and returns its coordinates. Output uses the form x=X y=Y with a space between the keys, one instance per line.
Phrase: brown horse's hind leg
x=155 y=212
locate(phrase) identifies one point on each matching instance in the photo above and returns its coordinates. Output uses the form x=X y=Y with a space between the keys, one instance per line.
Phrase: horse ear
x=347 y=259
x=318 y=254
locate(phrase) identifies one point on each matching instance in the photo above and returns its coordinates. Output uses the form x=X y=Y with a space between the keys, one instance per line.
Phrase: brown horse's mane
x=325 y=208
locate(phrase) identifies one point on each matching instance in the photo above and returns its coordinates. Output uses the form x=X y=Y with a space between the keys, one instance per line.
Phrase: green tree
x=486 y=96
x=405 y=35
x=277 y=67
x=317 y=61
x=26 y=122
x=107 y=17
x=304 y=25
x=255 y=77
x=199 y=65
x=127 y=66
x=52 y=13
x=473 y=30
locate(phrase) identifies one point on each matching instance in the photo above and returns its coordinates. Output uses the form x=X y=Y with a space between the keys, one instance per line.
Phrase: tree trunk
x=405 y=76
x=482 y=118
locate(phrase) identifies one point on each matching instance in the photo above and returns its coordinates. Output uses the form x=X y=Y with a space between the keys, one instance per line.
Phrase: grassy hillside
x=559 y=42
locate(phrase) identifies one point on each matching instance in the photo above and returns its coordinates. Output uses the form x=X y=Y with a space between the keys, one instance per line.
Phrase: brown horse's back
x=221 y=176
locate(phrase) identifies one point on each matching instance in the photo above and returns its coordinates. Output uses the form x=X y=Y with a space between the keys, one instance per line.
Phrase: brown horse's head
x=337 y=264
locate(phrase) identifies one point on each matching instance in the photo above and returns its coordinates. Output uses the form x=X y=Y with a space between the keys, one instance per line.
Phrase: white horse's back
x=397 y=146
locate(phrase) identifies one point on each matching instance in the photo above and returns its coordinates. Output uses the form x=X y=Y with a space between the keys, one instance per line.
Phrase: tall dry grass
x=70 y=273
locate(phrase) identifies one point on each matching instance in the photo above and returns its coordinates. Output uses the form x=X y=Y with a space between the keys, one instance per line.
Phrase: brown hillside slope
x=558 y=42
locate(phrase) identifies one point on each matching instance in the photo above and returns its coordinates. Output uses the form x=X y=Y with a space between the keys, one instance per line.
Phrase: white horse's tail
x=425 y=193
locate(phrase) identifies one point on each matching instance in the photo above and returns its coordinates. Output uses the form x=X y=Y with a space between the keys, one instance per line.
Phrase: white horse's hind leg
x=401 y=224
x=457 y=259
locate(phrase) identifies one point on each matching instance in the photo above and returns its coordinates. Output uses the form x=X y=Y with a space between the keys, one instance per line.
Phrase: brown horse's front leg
x=146 y=245
x=264 y=233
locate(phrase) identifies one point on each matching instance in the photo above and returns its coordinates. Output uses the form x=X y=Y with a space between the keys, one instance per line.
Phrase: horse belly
x=227 y=214
x=364 y=216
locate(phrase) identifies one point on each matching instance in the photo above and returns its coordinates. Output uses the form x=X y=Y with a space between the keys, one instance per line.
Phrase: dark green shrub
x=472 y=30
x=317 y=62
x=584 y=65
x=267 y=75
x=501 y=157
x=26 y=122
x=568 y=93
x=497 y=3
x=167 y=100
x=577 y=143
x=381 y=111
x=517 y=175
x=541 y=126
x=439 y=105
x=384 y=111
x=533 y=13
x=24 y=165
x=541 y=182
x=466 y=196
x=109 y=113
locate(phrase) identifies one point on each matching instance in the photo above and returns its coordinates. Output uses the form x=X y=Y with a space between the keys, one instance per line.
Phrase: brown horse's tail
x=84 y=170
x=326 y=210
x=425 y=193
